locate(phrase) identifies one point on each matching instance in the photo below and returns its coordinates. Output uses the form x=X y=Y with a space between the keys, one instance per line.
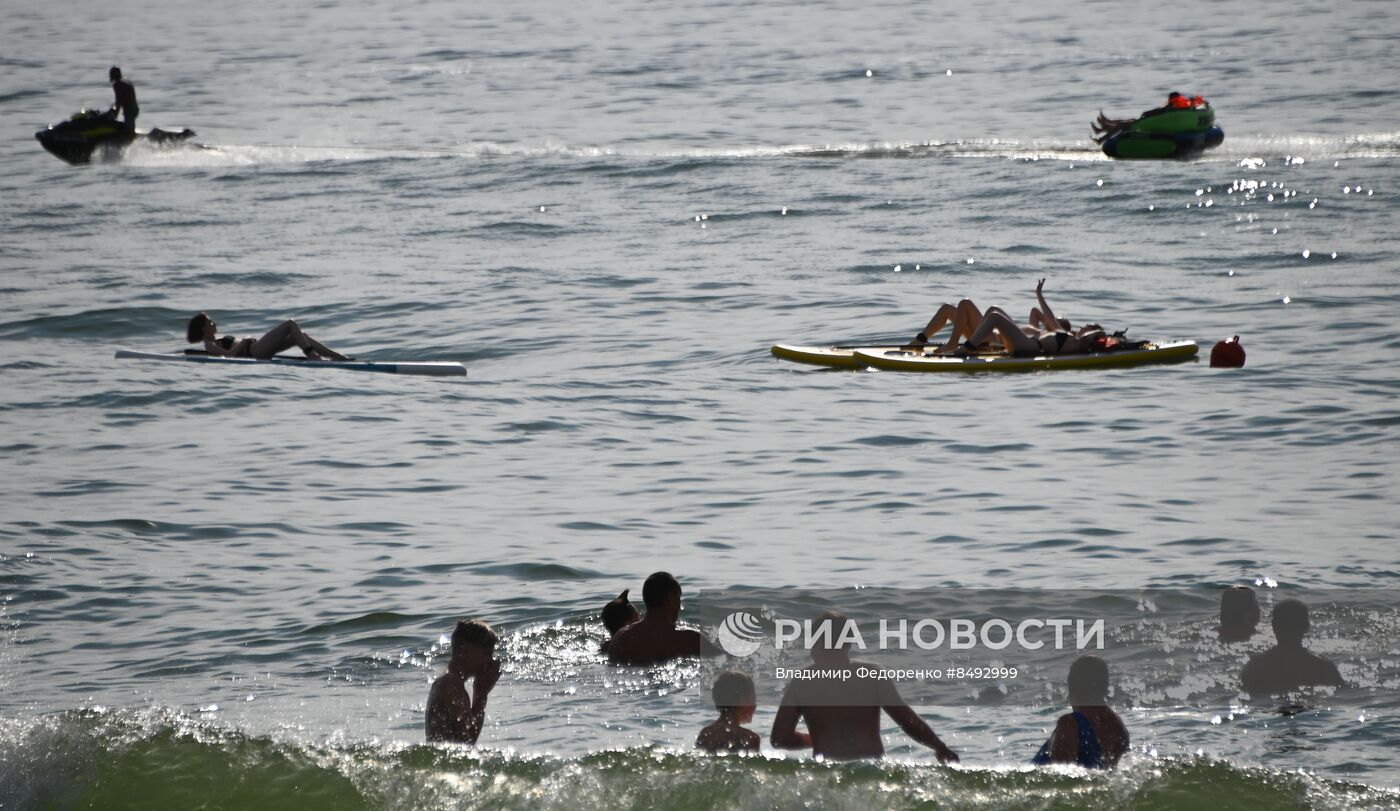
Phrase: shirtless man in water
x=452 y=715
x=655 y=638
x=1288 y=666
x=842 y=715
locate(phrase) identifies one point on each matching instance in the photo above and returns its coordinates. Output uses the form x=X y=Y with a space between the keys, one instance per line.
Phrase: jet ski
x=74 y=140
x=1160 y=134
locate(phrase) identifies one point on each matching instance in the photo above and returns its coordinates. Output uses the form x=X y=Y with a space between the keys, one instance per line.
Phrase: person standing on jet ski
x=126 y=98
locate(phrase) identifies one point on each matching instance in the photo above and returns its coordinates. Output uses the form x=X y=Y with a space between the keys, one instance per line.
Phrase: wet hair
x=733 y=689
x=1290 y=620
x=1174 y=95
x=1088 y=681
x=658 y=587
x=618 y=612
x=473 y=633
x=1239 y=608
x=115 y=73
x=194 y=333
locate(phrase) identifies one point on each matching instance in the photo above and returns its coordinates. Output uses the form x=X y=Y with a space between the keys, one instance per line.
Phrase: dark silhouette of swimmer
x=452 y=715
x=1239 y=614
x=126 y=98
x=618 y=614
x=1288 y=665
x=655 y=638
x=736 y=699
x=841 y=709
x=1092 y=736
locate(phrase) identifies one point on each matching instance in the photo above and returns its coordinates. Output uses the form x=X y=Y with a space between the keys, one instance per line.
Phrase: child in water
x=735 y=699
x=618 y=614
x=1092 y=736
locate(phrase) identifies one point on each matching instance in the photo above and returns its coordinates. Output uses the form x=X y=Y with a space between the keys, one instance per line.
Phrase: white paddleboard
x=429 y=368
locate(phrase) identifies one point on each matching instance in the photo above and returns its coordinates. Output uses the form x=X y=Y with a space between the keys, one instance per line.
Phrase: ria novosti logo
x=741 y=634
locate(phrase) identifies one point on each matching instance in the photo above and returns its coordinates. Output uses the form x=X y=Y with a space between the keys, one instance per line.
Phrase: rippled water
x=609 y=214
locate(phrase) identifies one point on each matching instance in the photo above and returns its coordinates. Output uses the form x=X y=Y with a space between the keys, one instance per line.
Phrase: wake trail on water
x=1235 y=149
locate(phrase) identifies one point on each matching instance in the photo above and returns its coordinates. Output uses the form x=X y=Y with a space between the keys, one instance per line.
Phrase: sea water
x=230 y=588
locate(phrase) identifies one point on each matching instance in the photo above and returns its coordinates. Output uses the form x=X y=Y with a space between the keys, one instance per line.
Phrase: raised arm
x=482 y=685
x=1045 y=311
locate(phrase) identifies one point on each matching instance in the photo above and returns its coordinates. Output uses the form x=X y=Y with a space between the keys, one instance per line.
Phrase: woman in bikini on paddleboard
x=280 y=338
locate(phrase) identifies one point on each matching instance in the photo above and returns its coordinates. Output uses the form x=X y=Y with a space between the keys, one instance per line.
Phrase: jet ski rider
x=126 y=98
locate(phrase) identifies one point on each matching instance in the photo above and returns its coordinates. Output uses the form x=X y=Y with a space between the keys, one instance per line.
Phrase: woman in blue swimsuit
x=1093 y=736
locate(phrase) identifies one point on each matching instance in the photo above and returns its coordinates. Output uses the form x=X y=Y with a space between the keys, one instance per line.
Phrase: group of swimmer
x=841 y=713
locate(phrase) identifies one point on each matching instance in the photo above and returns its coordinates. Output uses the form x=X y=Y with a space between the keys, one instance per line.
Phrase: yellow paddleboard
x=898 y=360
x=840 y=357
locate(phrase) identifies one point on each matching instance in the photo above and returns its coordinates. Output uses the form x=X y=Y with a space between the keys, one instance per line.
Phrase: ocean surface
x=230 y=588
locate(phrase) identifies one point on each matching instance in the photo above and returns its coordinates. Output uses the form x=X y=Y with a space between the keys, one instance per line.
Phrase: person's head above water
x=115 y=73
x=1088 y=682
x=619 y=613
x=1290 y=621
x=829 y=628
x=662 y=594
x=734 y=689
x=194 y=333
x=473 y=643
x=1239 y=613
x=1173 y=95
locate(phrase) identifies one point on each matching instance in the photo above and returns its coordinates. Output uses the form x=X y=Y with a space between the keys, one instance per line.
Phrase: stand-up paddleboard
x=900 y=361
x=841 y=357
x=429 y=368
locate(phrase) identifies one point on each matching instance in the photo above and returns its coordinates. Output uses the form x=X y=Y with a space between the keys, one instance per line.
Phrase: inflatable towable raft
x=1170 y=134
x=897 y=359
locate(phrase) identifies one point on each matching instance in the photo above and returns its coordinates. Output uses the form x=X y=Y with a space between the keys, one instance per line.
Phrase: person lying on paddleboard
x=280 y=338
x=1049 y=335
x=965 y=317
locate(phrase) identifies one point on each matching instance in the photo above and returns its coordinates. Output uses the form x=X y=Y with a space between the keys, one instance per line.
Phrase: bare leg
x=966 y=324
x=945 y=315
x=286 y=335
x=1012 y=337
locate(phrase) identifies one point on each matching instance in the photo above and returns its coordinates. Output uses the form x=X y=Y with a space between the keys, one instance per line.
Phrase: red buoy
x=1227 y=354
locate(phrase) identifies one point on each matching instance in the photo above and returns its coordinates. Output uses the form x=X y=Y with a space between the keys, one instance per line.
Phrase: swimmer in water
x=1092 y=736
